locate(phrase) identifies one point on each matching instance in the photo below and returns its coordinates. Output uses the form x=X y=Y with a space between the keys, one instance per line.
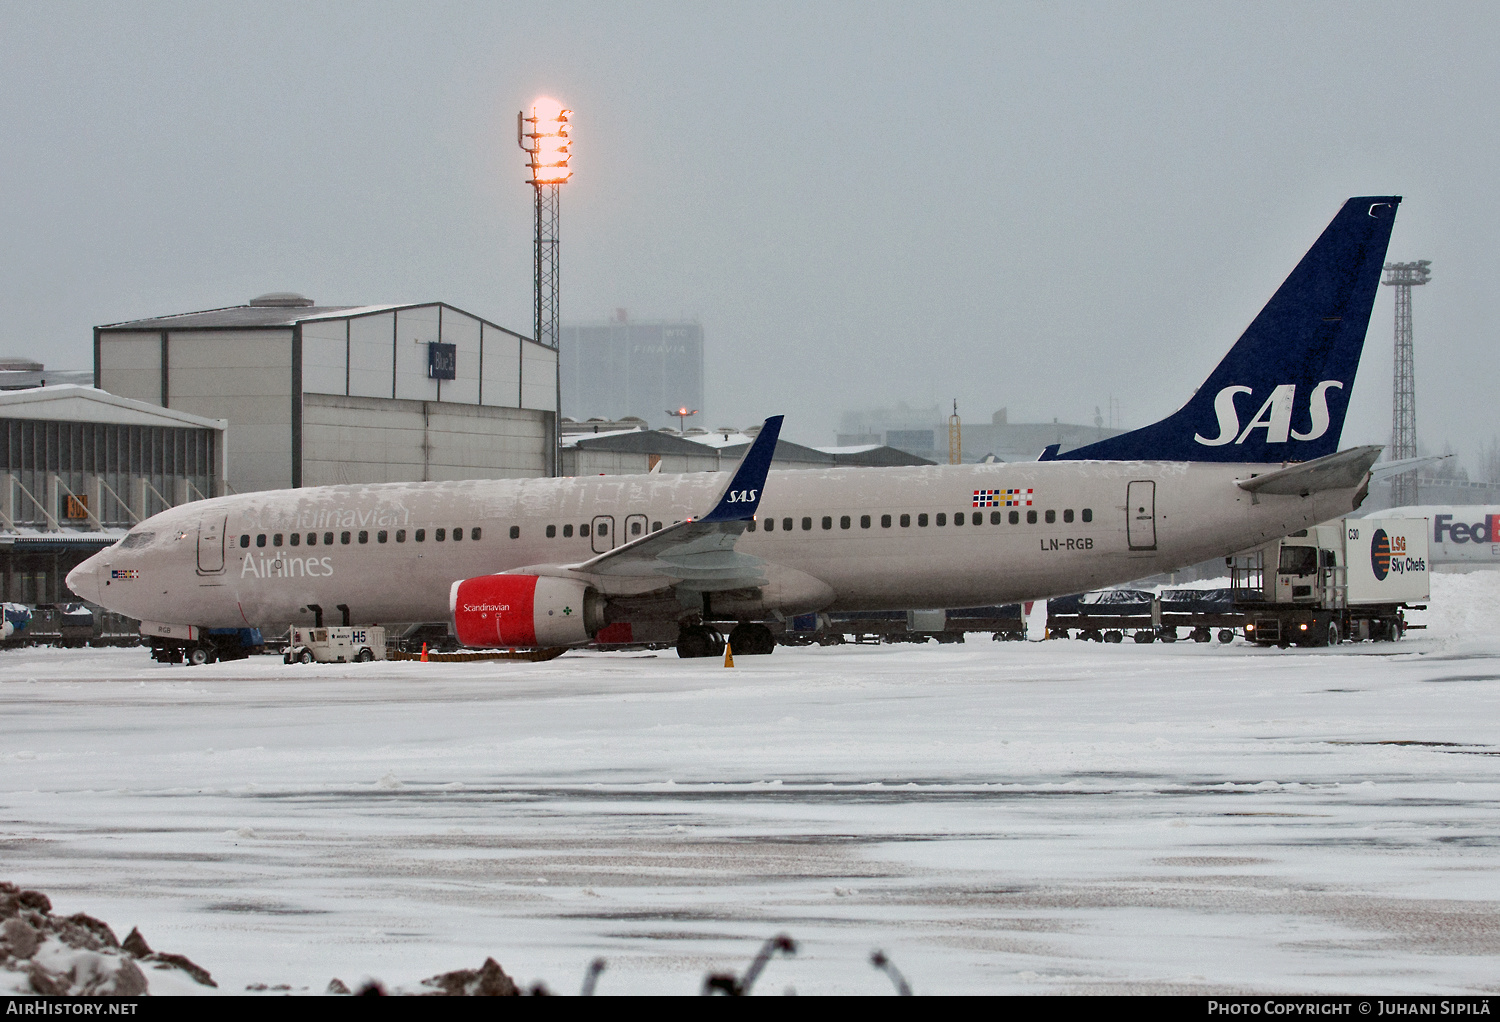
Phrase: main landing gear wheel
x=698 y=641
x=752 y=640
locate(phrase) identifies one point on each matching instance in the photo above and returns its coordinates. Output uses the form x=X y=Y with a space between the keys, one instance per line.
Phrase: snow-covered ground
x=998 y=817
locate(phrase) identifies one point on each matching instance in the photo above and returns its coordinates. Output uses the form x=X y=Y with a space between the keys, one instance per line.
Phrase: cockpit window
x=137 y=539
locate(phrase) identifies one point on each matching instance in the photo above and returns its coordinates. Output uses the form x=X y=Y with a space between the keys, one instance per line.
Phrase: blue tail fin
x=1282 y=391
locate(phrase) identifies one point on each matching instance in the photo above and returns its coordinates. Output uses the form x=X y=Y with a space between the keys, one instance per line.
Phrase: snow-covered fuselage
x=834 y=539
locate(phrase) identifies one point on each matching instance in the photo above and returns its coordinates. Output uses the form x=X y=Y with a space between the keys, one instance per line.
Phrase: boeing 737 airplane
x=1252 y=456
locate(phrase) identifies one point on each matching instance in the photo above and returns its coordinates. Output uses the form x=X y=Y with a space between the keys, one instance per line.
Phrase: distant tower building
x=621 y=368
x=1403 y=277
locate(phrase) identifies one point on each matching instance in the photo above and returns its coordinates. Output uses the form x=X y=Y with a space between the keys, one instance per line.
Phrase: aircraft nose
x=84 y=580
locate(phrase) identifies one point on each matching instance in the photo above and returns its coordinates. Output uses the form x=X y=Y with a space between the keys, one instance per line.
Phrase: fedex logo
x=1458 y=532
x=1274 y=416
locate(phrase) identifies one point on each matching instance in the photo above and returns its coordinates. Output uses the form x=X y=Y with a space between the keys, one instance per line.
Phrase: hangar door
x=1140 y=515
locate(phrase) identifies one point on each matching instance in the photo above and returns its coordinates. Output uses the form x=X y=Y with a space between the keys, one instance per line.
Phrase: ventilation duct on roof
x=281 y=300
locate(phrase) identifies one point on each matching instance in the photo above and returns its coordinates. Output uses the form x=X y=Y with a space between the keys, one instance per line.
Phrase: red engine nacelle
x=524 y=610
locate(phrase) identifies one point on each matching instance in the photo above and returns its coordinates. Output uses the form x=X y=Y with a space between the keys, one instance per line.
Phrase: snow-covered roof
x=71 y=403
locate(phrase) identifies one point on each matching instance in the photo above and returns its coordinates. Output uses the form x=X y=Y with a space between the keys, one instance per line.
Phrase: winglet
x=742 y=496
x=1049 y=453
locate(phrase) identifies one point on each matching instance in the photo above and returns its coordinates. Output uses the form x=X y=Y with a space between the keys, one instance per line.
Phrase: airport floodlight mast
x=955 y=437
x=682 y=415
x=1403 y=277
x=546 y=138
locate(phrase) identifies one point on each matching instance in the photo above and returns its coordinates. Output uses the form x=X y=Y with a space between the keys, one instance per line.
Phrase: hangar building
x=78 y=467
x=318 y=395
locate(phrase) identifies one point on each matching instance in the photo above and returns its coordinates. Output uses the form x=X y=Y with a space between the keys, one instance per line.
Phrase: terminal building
x=78 y=467
x=623 y=368
x=317 y=395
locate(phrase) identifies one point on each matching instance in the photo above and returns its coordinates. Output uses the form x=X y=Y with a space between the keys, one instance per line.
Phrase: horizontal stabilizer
x=1384 y=469
x=1342 y=471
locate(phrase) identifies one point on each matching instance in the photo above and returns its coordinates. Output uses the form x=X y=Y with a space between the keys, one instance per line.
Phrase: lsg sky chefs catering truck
x=1350 y=579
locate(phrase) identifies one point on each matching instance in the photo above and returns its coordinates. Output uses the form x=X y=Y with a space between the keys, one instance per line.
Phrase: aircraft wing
x=697 y=554
x=1342 y=471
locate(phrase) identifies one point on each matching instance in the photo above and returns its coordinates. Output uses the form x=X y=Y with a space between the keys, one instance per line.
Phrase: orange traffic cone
x=424 y=653
x=728 y=655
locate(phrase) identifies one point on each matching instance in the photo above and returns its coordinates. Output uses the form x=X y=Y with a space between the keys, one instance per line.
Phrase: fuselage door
x=604 y=533
x=1140 y=514
x=635 y=528
x=211 y=544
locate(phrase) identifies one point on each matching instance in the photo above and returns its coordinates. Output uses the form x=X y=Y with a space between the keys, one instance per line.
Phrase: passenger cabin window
x=751 y=526
x=602 y=530
x=458 y=534
x=770 y=525
x=312 y=539
x=344 y=538
x=922 y=521
x=551 y=532
x=958 y=519
x=844 y=522
x=380 y=537
x=1088 y=514
x=260 y=540
x=906 y=521
x=438 y=535
x=474 y=533
x=864 y=521
x=583 y=530
x=276 y=540
x=827 y=521
x=244 y=540
x=420 y=536
x=1031 y=518
x=656 y=526
x=567 y=531
x=400 y=535
x=978 y=518
x=364 y=536
x=635 y=530
x=1051 y=516
x=1015 y=517
x=885 y=521
x=1068 y=515
x=786 y=525
x=328 y=539
x=996 y=518
x=807 y=525
x=295 y=538
x=515 y=532
x=942 y=519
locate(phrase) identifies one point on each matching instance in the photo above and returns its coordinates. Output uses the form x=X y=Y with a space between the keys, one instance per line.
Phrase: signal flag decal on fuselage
x=1002 y=498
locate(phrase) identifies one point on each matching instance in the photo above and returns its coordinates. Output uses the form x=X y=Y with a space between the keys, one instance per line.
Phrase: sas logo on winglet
x=1275 y=415
x=742 y=496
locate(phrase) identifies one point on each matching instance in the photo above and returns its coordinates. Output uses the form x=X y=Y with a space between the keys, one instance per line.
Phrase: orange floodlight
x=546 y=136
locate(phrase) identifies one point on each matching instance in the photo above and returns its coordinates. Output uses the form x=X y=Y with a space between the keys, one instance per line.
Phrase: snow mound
x=75 y=956
x=1463 y=606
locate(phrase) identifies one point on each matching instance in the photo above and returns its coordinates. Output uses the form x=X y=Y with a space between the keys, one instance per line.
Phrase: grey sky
x=1013 y=204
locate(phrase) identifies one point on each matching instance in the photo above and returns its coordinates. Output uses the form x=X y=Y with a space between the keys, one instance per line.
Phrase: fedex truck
x=1466 y=535
x=1352 y=578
